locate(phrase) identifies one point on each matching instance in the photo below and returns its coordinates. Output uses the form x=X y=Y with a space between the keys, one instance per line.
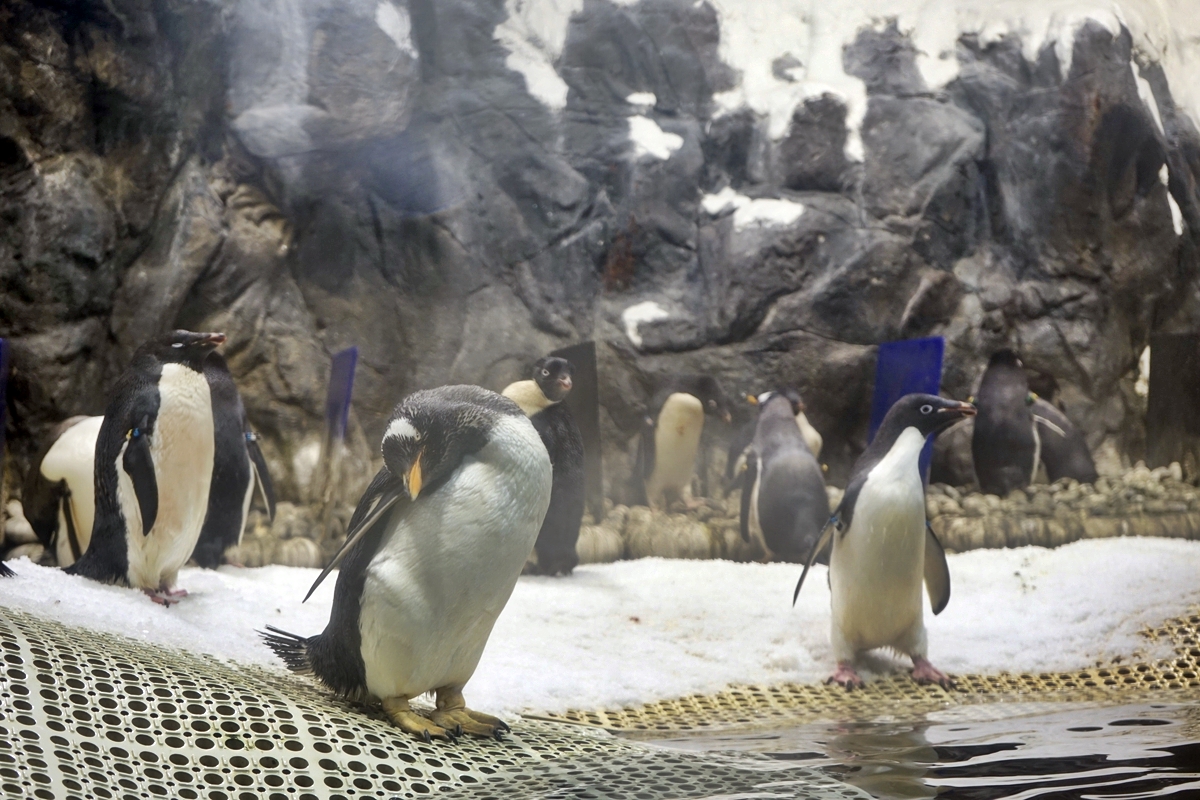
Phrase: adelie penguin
x=541 y=400
x=238 y=467
x=431 y=556
x=670 y=439
x=883 y=549
x=784 y=503
x=153 y=466
x=58 y=494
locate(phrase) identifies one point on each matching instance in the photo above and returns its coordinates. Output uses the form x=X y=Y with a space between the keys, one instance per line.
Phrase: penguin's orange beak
x=414 y=478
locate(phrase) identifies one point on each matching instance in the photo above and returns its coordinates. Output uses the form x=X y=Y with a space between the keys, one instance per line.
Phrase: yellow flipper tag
x=751 y=399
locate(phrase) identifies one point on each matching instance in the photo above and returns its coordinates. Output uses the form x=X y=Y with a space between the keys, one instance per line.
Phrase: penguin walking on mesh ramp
x=433 y=551
x=883 y=549
x=154 y=461
x=541 y=400
x=58 y=494
x=670 y=439
x=784 y=503
x=1004 y=444
x=238 y=467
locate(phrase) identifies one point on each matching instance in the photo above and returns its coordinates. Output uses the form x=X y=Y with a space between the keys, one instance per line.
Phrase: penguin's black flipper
x=5 y=572
x=383 y=493
x=139 y=465
x=644 y=464
x=822 y=540
x=749 y=478
x=937 y=573
x=262 y=475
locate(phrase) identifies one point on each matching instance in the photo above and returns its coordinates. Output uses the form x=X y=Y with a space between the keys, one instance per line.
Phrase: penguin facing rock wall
x=153 y=467
x=58 y=493
x=1004 y=445
x=670 y=439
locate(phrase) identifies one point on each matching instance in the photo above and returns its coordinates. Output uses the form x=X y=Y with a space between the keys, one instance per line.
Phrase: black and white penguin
x=670 y=439
x=1062 y=447
x=1004 y=446
x=432 y=554
x=58 y=493
x=784 y=503
x=882 y=547
x=153 y=466
x=238 y=468
x=541 y=400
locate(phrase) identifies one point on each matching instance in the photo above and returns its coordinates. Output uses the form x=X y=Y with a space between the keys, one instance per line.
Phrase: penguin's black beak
x=953 y=413
x=207 y=340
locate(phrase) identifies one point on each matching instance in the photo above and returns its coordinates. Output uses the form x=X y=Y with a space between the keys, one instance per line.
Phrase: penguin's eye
x=927 y=409
x=545 y=373
x=177 y=344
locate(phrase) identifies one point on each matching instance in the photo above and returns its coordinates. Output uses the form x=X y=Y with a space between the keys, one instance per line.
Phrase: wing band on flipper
x=387 y=499
x=937 y=572
x=822 y=540
x=139 y=465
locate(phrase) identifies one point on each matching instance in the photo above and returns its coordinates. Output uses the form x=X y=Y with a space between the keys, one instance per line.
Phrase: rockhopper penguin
x=57 y=497
x=153 y=465
x=433 y=551
x=238 y=467
x=784 y=503
x=882 y=547
x=670 y=439
x=541 y=400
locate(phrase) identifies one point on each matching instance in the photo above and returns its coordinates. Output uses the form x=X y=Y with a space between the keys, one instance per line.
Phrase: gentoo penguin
x=1004 y=445
x=58 y=497
x=541 y=400
x=154 y=461
x=670 y=438
x=431 y=556
x=1063 y=448
x=883 y=548
x=784 y=503
x=238 y=467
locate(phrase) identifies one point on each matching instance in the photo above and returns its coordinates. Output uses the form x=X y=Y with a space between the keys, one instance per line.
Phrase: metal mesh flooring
x=1173 y=679
x=90 y=715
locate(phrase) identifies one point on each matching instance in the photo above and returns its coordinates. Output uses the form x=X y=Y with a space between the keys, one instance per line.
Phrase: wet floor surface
x=1002 y=752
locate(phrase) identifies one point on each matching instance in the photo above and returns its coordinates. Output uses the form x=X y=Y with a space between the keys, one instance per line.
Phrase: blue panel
x=341 y=386
x=913 y=365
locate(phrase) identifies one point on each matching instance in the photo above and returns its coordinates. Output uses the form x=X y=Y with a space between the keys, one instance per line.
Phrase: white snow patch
x=645 y=311
x=752 y=212
x=639 y=631
x=394 y=21
x=650 y=140
x=648 y=99
x=534 y=34
x=1176 y=215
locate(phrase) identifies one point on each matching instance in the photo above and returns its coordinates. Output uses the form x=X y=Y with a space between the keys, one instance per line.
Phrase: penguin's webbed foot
x=846 y=676
x=409 y=721
x=165 y=597
x=452 y=712
x=924 y=672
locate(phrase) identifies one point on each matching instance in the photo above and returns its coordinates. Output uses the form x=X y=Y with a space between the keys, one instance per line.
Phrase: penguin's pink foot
x=174 y=594
x=924 y=672
x=165 y=597
x=845 y=676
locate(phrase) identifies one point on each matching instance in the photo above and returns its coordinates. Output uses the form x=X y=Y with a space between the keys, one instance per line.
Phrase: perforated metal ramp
x=89 y=715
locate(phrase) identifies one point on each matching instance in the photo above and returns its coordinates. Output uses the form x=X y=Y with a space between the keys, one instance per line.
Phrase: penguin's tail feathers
x=292 y=649
x=5 y=572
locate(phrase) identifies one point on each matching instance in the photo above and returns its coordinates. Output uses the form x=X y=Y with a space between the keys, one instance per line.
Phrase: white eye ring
x=545 y=372
x=927 y=409
x=177 y=344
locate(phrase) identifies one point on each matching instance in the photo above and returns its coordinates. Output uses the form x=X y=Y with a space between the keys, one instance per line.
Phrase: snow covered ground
x=636 y=631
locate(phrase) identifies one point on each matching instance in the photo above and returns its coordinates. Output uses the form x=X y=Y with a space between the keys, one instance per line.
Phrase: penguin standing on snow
x=238 y=467
x=784 y=503
x=57 y=496
x=670 y=439
x=883 y=549
x=433 y=551
x=541 y=400
x=1004 y=445
x=153 y=465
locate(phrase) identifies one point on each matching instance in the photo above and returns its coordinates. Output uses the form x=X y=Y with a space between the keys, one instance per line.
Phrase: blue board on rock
x=337 y=399
x=913 y=365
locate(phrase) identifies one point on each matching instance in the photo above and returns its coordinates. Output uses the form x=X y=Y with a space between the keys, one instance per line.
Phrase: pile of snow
x=638 y=631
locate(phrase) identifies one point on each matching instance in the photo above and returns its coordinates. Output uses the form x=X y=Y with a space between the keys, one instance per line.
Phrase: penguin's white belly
x=446 y=567
x=181 y=448
x=676 y=440
x=72 y=458
x=877 y=566
x=528 y=395
x=756 y=532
